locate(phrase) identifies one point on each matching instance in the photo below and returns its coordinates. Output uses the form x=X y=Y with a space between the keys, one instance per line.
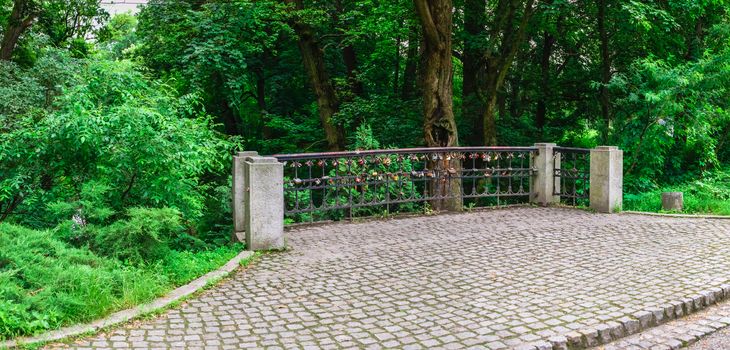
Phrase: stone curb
x=604 y=333
x=129 y=314
x=669 y=215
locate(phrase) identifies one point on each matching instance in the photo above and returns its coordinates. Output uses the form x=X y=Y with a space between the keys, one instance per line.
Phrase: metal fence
x=337 y=185
x=572 y=175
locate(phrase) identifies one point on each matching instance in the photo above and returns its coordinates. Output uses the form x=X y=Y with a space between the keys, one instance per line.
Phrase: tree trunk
x=408 y=88
x=473 y=79
x=547 y=51
x=314 y=65
x=349 y=57
x=396 y=63
x=694 y=42
x=437 y=82
x=20 y=20
x=499 y=63
x=502 y=105
x=489 y=117
x=605 y=98
x=261 y=103
x=220 y=100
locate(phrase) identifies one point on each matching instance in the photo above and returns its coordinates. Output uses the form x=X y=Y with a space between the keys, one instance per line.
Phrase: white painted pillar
x=264 y=201
x=543 y=180
x=607 y=179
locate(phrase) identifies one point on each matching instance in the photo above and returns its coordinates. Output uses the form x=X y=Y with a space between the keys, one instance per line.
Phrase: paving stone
x=483 y=279
x=683 y=332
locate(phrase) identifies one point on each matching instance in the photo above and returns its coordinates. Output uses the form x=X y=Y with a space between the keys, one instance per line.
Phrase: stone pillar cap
x=247 y=153
x=262 y=160
x=607 y=148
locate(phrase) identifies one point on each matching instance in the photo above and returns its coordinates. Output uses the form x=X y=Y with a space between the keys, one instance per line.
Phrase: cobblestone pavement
x=717 y=341
x=683 y=332
x=490 y=279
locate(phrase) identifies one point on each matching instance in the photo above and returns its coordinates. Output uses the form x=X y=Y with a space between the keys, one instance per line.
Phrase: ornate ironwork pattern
x=336 y=185
x=572 y=173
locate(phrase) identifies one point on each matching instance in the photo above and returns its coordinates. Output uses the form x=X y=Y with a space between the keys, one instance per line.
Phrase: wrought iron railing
x=337 y=185
x=572 y=175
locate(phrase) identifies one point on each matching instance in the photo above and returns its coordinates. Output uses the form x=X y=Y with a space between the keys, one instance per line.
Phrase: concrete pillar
x=239 y=189
x=543 y=180
x=264 y=201
x=607 y=179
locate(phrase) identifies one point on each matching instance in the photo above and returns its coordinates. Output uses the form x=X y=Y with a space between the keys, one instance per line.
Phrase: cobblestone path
x=490 y=279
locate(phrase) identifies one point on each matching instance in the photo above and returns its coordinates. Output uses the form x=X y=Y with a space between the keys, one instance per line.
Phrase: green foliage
x=121 y=146
x=395 y=122
x=119 y=132
x=672 y=118
x=184 y=266
x=709 y=195
x=145 y=236
x=45 y=284
x=125 y=172
x=62 y=20
x=119 y=36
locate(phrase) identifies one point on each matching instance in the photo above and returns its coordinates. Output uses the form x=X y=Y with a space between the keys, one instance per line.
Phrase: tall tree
x=474 y=67
x=498 y=63
x=314 y=65
x=437 y=73
x=62 y=20
x=59 y=19
x=489 y=52
x=349 y=56
x=546 y=51
x=439 y=125
x=408 y=89
x=604 y=98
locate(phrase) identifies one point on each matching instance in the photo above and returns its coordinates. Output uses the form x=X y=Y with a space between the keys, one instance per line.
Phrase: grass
x=709 y=195
x=46 y=284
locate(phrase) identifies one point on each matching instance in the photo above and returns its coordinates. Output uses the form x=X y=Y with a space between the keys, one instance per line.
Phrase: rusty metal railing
x=337 y=185
x=572 y=172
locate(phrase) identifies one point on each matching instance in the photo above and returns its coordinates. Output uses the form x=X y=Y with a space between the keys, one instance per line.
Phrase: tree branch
x=430 y=32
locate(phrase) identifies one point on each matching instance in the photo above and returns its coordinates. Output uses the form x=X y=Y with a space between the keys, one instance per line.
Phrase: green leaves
x=119 y=132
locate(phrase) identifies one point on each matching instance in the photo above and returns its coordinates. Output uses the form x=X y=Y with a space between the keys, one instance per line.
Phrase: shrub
x=45 y=284
x=119 y=132
x=145 y=236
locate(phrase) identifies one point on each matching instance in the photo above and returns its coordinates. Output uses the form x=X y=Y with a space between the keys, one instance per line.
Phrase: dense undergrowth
x=113 y=190
x=45 y=283
x=709 y=194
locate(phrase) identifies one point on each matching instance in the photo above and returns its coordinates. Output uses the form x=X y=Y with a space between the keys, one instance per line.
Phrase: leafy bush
x=146 y=236
x=671 y=119
x=121 y=133
x=125 y=172
x=709 y=195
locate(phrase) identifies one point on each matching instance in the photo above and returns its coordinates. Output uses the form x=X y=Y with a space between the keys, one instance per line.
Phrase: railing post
x=264 y=201
x=543 y=181
x=239 y=189
x=606 y=179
